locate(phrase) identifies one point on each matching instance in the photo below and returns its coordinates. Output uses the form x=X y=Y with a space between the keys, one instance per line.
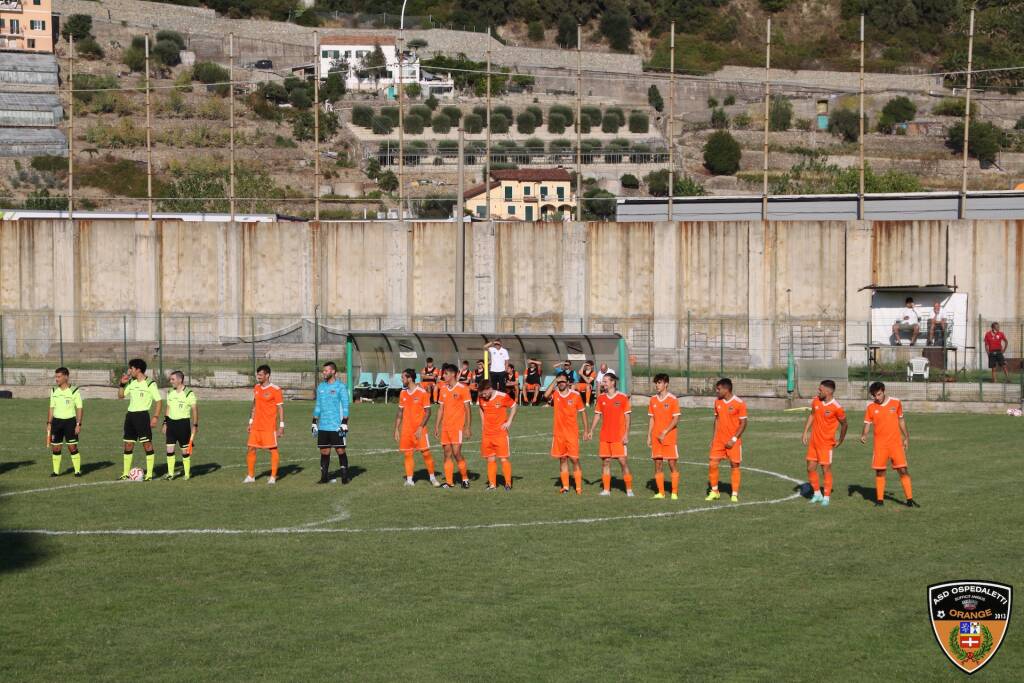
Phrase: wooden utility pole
x=487 y=140
x=231 y=125
x=401 y=129
x=316 y=125
x=149 y=141
x=460 y=240
x=71 y=126
x=860 y=137
x=671 y=120
x=579 y=113
x=967 y=118
x=767 y=116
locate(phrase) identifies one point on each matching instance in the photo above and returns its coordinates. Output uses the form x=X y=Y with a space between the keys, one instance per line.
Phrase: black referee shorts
x=62 y=430
x=326 y=439
x=136 y=427
x=179 y=432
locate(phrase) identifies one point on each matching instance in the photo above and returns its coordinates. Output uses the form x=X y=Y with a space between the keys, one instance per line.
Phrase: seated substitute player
x=585 y=381
x=565 y=436
x=453 y=424
x=478 y=376
x=891 y=441
x=465 y=374
x=730 y=423
x=267 y=408
x=64 y=421
x=662 y=435
x=411 y=426
x=820 y=438
x=512 y=382
x=141 y=393
x=180 y=424
x=531 y=383
x=429 y=376
x=613 y=408
x=330 y=422
x=496 y=420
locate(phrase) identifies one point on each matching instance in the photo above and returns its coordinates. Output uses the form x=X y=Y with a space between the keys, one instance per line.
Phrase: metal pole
x=71 y=127
x=487 y=139
x=60 y=336
x=687 y=352
x=967 y=119
x=188 y=341
x=721 y=348
x=316 y=126
x=160 y=340
x=767 y=112
x=124 y=338
x=252 y=340
x=231 y=125
x=3 y=379
x=671 y=121
x=860 y=138
x=579 y=110
x=149 y=141
x=316 y=342
x=650 y=354
x=460 y=241
x=348 y=367
x=401 y=130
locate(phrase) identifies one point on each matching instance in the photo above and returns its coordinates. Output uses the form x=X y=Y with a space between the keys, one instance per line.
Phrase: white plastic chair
x=917 y=367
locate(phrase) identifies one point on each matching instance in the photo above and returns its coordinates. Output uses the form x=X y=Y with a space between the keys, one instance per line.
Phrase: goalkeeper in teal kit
x=330 y=422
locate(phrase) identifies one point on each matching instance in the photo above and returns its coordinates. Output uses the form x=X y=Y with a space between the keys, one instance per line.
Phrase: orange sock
x=828 y=483
x=905 y=481
x=735 y=480
x=565 y=479
x=506 y=471
x=275 y=458
x=577 y=475
x=675 y=482
x=606 y=481
x=492 y=473
x=812 y=477
x=409 y=468
x=628 y=478
x=879 y=485
x=428 y=460
x=659 y=479
x=462 y=470
x=250 y=461
x=449 y=472
x=713 y=475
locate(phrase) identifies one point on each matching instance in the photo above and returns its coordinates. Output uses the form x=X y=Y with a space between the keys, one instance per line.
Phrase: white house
x=349 y=52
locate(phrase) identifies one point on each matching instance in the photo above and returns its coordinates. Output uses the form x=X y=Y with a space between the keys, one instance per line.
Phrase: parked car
x=264 y=64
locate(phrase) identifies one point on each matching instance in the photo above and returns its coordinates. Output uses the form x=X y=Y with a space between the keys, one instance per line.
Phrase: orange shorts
x=720 y=452
x=610 y=449
x=562 y=447
x=819 y=453
x=664 y=451
x=891 y=455
x=450 y=437
x=414 y=441
x=531 y=387
x=262 y=438
x=494 y=446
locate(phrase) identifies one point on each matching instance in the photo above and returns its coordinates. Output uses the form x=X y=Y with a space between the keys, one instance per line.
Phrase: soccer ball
x=1013 y=412
x=135 y=474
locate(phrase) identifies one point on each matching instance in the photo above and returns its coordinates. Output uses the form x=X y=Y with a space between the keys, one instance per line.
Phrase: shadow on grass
x=18 y=551
x=88 y=467
x=6 y=467
x=283 y=471
x=353 y=472
x=204 y=469
x=868 y=493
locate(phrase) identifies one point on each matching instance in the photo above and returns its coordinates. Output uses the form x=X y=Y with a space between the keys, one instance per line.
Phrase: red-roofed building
x=525 y=194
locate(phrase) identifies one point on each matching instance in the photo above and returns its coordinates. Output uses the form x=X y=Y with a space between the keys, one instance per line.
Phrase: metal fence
x=223 y=351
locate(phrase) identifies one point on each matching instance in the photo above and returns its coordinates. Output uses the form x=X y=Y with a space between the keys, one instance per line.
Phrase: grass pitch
x=428 y=584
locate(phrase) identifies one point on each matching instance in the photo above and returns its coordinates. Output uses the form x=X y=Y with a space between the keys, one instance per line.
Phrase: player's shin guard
x=449 y=472
x=879 y=486
x=492 y=473
x=905 y=482
x=628 y=478
x=713 y=475
x=659 y=480
x=186 y=464
x=428 y=461
x=127 y=463
x=409 y=467
x=506 y=471
x=250 y=462
x=462 y=470
x=577 y=475
x=76 y=461
x=275 y=459
x=55 y=458
x=343 y=462
x=170 y=464
x=812 y=477
x=606 y=482
x=565 y=479
x=735 y=477
x=325 y=466
x=150 y=460
x=828 y=483
x=675 y=482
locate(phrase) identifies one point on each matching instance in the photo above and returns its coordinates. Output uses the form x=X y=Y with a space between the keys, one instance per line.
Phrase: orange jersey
x=613 y=411
x=454 y=400
x=661 y=413
x=414 y=405
x=495 y=412
x=886 y=419
x=826 y=417
x=728 y=415
x=567 y=410
x=266 y=399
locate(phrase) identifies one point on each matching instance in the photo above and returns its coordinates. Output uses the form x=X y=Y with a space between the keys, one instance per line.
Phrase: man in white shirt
x=909 y=321
x=601 y=372
x=498 y=358
x=937 y=322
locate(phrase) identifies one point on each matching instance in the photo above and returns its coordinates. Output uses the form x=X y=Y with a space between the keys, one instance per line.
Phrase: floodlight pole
x=316 y=126
x=487 y=141
x=860 y=137
x=767 y=116
x=671 y=117
x=967 y=118
x=71 y=127
x=579 y=109
x=149 y=141
x=401 y=118
x=460 y=240
x=231 y=124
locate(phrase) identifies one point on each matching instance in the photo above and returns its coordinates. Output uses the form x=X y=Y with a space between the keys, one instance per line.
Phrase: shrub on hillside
x=568 y=113
x=472 y=124
x=453 y=113
x=654 y=98
x=844 y=123
x=984 y=142
x=499 y=124
x=381 y=125
x=526 y=123
x=440 y=124
x=88 y=48
x=629 y=181
x=362 y=116
x=77 y=26
x=610 y=123
x=780 y=113
x=722 y=153
x=638 y=122
x=412 y=124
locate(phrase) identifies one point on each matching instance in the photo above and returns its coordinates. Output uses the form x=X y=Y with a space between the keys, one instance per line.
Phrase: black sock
x=343 y=460
x=325 y=464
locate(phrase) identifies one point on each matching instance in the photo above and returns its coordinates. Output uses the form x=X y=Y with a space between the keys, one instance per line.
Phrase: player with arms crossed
x=64 y=421
x=494 y=442
x=730 y=423
x=891 y=441
x=820 y=438
x=531 y=383
x=180 y=424
x=330 y=422
x=614 y=408
x=141 y=393
x=267 y=409
x=411 y=426
x=453 y=424
x=663 y=434
x=565 y=437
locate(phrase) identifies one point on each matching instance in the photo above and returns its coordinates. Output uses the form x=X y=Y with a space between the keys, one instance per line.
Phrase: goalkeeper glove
x=314 y=429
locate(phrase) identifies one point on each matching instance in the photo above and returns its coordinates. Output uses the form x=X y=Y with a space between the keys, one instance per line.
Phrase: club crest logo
x=969 y=619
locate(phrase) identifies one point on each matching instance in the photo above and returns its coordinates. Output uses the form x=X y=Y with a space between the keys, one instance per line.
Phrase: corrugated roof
x=24 y=61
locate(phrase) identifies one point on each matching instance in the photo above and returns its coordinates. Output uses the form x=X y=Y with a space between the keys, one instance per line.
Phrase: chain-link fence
x=223 y=351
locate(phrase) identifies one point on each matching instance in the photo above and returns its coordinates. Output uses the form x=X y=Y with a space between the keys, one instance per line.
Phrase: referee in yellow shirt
x=64 y=421
x=180 y=424
x=141 y=393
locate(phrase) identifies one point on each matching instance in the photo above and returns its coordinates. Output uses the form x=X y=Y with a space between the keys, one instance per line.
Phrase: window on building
x=481 y=211
x=37 y=3
x=31 y=43
x=543 y=191
x=348 y=53
x=2 y=21
x=508 y=192
x=37 y=25
x=511 y=210
x=561 y=192
x=526 y=190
